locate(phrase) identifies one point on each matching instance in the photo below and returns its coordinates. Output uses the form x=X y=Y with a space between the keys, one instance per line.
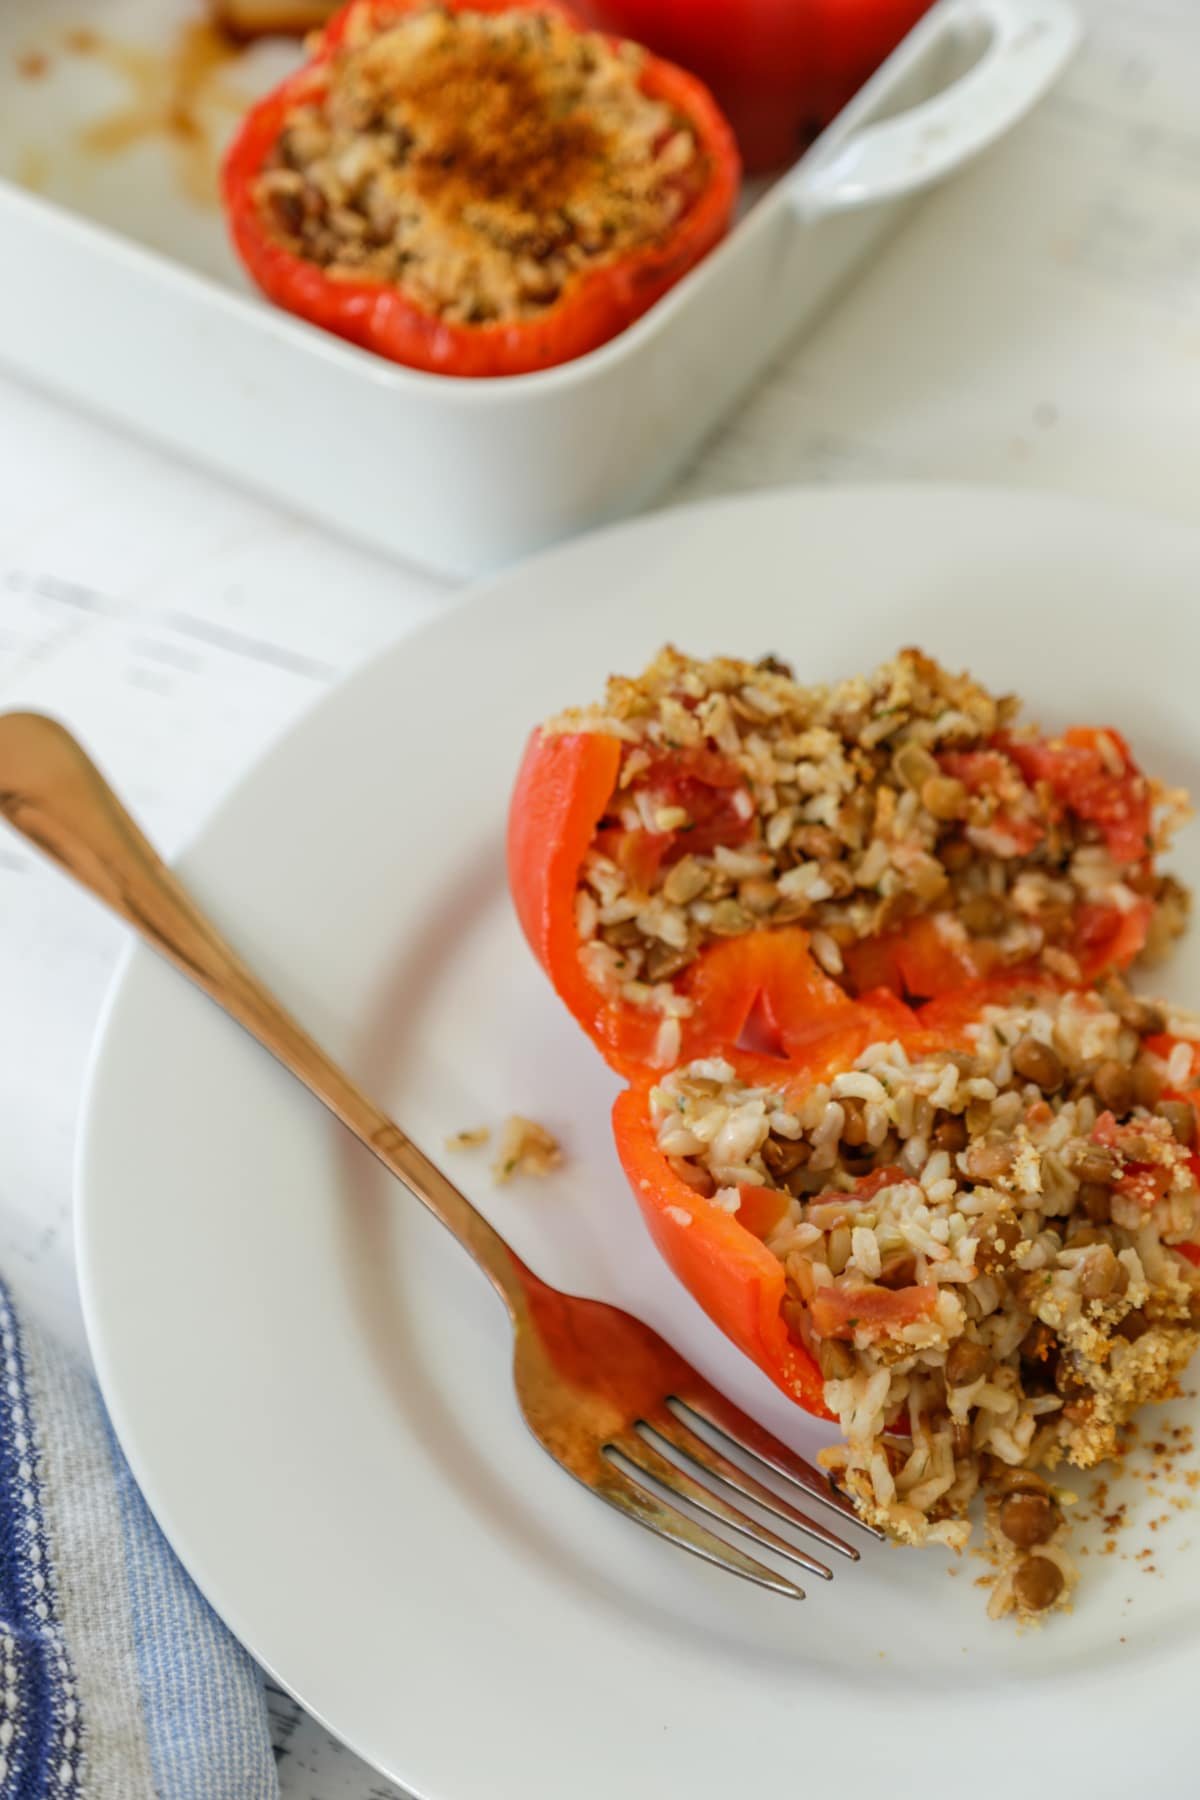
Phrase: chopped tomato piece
x=1191 y=1251
x=1106 y=937
x=698 y=764
x=709 y=789
x=1145 y=1183
x=980 y=771
x=699 y=783
x=994 y=773
x=1079 y=769
x=1142 y=1182
x=840 y=1312
x=1105 y=1130
x=869 y=1185
x=639 y=853
x=1162 y=1043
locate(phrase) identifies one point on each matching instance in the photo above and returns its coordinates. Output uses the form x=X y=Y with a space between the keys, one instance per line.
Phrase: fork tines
x=644 y=1472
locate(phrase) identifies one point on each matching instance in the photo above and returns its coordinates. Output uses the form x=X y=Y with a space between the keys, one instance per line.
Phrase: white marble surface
x=1038 y=323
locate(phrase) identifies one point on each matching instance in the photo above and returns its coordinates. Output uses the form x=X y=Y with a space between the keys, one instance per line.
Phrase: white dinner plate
x=312 y=1382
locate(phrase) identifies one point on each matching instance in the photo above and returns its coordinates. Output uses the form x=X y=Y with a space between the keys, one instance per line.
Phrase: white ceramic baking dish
x=119 y=290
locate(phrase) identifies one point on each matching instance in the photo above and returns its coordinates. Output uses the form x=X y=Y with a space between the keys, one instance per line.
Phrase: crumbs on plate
x=525 y=1147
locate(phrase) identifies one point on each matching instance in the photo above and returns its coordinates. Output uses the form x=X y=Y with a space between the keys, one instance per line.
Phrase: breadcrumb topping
x=484 y=161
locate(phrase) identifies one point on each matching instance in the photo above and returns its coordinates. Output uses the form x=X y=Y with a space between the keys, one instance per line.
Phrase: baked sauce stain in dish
x=32 y=170
x=172 y=93
x=31 y=65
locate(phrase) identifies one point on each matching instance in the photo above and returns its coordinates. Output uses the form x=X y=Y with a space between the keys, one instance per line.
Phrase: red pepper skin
x=724 y=1266
x=716 y=1256
x=781 y=68
x=384 y=318
x=916 y=960
x=562 y=789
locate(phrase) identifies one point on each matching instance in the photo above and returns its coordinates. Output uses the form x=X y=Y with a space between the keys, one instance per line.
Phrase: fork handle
x=55 y=796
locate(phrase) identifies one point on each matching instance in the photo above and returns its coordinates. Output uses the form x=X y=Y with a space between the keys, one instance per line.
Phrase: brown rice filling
x=980 y=1254
x=850 y=809
x=483 y=160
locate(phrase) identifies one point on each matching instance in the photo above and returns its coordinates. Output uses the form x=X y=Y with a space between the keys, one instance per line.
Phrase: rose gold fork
x=605 y=1395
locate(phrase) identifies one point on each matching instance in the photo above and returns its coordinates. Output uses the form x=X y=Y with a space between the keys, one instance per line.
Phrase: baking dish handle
x=1025 y=44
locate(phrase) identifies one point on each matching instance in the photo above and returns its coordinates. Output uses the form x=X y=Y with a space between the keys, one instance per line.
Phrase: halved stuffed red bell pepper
x=968 y=1234
x=715 y=836
x=721 y=1255
x=477 y=187
x=563 y=790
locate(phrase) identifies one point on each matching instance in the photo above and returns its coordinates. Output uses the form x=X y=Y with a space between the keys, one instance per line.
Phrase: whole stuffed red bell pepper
x=477 y=187
x=967 y=1234
x=782 y=69
x=714 y=836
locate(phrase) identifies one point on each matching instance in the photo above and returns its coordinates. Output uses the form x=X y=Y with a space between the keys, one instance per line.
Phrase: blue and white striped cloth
x=117 y=1680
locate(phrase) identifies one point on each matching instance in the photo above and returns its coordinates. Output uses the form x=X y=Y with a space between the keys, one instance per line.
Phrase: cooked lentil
x=483 y=161
x=1037 y=1583
x=1027 y=1519
x=1037 y=1296
x=747 y=800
